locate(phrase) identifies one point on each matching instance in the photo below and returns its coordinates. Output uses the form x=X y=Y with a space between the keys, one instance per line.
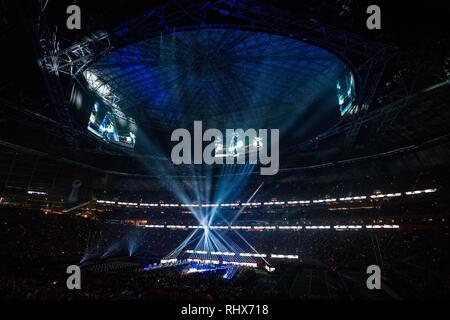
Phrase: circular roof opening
x=228 y=78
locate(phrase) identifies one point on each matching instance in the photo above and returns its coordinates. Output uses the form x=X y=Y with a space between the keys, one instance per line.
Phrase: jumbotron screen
x=105 y=123
x=346 y=92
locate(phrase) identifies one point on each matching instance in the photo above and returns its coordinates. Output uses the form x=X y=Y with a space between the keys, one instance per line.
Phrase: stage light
x=36 y=192
x=169 y=261
x=282 y=256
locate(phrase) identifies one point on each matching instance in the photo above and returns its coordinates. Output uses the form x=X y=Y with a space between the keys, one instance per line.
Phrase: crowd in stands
x=283 y=186
x=36 y=248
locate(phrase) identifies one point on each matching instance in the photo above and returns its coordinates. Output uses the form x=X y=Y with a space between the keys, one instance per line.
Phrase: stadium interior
x=87 y=179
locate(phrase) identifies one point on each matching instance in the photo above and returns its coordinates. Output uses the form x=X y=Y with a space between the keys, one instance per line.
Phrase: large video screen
x=237 y=146
x=345 y=92
x=111 y=126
